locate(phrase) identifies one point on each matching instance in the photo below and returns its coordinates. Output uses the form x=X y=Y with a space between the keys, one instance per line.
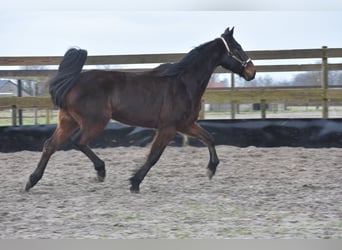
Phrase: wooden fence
x=263 y=95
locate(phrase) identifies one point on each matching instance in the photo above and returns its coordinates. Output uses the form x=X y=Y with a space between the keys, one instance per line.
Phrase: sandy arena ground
x=256 y=193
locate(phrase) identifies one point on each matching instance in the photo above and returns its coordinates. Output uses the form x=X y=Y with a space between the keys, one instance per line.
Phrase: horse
x=166 y=98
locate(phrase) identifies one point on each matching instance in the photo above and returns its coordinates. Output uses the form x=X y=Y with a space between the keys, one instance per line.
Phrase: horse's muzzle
x=249 y=72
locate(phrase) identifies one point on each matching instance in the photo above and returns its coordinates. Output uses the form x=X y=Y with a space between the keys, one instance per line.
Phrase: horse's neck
x=198 y=77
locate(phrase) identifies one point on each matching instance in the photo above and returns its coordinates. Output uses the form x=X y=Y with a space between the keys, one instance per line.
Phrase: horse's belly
x=136 y=117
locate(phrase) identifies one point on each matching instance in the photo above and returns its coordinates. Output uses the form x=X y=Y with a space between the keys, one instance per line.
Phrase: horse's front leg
x=195 y=130
x=161 y=140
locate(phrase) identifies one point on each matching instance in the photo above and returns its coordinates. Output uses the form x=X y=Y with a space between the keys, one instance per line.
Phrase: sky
x=103 y=27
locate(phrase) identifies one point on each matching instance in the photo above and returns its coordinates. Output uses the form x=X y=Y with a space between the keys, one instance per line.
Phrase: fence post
x=14 y=115
x=325 y=83
x=20 y=111
x=47 y=116
x=201 y=113
x=263 y=107
x=35 y=109
x=232 y=104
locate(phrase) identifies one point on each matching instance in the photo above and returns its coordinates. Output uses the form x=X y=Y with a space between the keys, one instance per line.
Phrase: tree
x=261 y=81
x=312 y=78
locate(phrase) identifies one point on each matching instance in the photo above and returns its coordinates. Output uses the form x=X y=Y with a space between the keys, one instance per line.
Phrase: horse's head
x=235 y=59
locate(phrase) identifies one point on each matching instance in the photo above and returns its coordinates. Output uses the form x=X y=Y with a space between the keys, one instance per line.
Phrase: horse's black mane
x=177 y=68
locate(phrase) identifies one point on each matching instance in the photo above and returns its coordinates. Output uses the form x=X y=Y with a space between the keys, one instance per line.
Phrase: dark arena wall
x=310 y=133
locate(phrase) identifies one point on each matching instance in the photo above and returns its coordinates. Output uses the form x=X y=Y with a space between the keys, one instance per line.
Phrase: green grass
x=28 y=117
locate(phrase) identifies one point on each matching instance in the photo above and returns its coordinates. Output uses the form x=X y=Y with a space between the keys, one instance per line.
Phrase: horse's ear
x=231 y=32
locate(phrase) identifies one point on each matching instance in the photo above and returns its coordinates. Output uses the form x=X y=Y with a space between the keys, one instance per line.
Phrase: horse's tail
x=68 y=73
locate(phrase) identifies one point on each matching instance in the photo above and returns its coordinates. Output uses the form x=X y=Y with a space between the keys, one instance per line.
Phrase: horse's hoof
x=210 y=173
x=135 y=185
x=134 y=190
x=27 y=186
x=100 y=178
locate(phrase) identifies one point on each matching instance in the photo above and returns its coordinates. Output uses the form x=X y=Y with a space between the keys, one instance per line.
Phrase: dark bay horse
x=167 y=98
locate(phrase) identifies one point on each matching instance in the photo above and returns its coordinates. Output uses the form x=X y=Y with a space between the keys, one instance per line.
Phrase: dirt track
x=256 y=193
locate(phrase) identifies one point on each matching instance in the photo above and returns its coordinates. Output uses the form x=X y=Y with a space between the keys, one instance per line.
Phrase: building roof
x=4 y=84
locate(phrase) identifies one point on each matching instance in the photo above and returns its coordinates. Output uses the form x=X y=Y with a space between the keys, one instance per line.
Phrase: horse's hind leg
x=197 y=131
x=82 y=139
x=65 y=128
x=160 y=142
